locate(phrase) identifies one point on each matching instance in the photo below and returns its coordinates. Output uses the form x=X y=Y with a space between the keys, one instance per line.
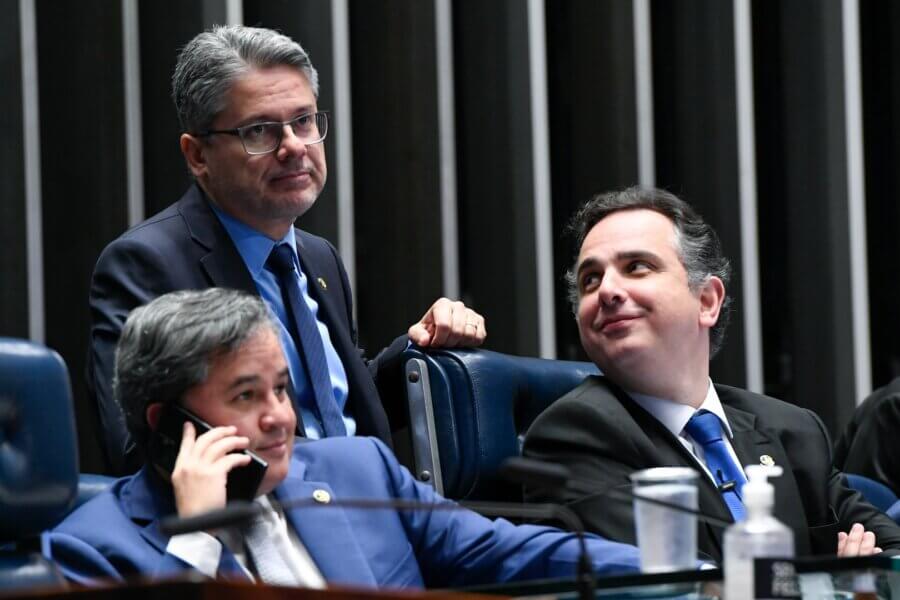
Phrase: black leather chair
x=469 y=410
x=38 y=459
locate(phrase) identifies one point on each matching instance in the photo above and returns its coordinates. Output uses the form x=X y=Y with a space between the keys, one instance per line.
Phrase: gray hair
x=166 y=347
x=210 y=63
x=696 y=242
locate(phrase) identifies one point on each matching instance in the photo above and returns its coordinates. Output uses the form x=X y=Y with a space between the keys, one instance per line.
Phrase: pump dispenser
x=760 y=535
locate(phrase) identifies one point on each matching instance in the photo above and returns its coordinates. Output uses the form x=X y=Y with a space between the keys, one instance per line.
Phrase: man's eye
x=589 y=281
x=639 y=267
x=303 y=123
x=256 y=132
x=244 y=396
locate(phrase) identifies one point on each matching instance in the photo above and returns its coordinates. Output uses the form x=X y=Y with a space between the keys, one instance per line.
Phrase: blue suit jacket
x=185 y=247
x=116 y=534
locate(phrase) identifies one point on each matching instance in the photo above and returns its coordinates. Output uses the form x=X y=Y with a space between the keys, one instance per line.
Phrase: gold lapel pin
x=322 y=496
x=322 y=283
x=766 y=460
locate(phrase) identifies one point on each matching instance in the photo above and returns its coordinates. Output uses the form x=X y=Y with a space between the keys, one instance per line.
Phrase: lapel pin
x=322 y=283
x=766 y=460
x=322 y=496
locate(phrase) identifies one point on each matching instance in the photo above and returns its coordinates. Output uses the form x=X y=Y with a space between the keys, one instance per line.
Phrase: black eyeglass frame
x=239 y=131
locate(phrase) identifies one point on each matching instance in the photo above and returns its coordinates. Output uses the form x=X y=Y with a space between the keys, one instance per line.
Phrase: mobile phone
x=243 y=482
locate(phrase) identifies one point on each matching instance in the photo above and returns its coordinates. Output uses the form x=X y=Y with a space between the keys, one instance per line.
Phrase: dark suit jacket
x=869 y=445
x=603 y=436
x=186 y=247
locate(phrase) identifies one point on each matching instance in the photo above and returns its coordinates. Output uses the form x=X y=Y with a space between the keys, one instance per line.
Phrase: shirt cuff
x=198 y=549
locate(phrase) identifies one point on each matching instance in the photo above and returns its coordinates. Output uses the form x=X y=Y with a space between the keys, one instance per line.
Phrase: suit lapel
x=223 y=264
x=326 y=532
x=330 y=313
x=146 y=500
x=751 y=444
x=320 y=265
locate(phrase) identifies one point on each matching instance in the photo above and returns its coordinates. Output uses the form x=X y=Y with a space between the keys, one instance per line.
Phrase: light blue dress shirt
x=254 y=248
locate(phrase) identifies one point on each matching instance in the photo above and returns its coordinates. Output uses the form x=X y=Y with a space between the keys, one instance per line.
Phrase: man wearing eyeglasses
x=253 y=140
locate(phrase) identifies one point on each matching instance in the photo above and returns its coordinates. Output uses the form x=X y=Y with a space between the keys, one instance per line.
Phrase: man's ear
x=712 y=295
x=194 y=151
x=154 y=412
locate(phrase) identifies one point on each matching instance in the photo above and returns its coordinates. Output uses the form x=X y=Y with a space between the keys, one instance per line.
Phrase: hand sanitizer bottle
x=759 y=535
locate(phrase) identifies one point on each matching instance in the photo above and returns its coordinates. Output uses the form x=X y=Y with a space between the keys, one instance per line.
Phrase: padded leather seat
x=469 y=410
x=38 y=458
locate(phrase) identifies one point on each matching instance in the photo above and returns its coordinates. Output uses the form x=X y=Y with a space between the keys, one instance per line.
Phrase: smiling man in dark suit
x=649 y=293
x=253 y=140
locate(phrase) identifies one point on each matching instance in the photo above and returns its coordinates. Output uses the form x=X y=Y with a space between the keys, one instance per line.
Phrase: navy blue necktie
x=706 y=429
x=306 y=335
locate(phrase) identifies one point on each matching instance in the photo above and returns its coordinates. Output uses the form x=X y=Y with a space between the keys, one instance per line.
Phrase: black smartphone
x=243 y=482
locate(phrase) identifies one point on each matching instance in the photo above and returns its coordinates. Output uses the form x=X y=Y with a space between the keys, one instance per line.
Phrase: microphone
x=536 y=473
x=239 y=512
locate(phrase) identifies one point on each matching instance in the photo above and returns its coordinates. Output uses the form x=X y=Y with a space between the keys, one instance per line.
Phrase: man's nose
x=291 y=144
x=611 y=291
x=277 y=412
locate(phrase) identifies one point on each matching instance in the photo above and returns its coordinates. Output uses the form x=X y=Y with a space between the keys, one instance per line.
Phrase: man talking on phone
x=215 y=355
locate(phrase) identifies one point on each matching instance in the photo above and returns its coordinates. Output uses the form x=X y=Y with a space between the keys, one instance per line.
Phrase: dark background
x=801 y=154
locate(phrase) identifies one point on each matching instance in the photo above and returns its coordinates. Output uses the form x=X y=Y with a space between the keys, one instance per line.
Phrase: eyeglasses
x=265 y=137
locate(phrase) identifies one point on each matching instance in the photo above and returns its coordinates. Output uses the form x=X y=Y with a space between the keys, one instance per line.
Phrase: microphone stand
x=541 y=474
x=585 y=570
x=239 y=512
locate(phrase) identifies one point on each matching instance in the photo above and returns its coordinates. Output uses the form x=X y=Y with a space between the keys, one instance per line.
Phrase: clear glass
x=266 y=136
x=667 y=538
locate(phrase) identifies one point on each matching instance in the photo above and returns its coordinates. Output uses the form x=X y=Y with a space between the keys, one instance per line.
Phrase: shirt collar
x=253 y=246
x=674 y=416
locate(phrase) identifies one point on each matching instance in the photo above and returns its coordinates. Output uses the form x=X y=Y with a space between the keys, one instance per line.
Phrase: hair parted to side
x=167 y=346
x=696 y=242
x=210 y=63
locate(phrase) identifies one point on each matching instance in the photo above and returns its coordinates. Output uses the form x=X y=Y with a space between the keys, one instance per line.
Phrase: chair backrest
x=38 y=457
x=38 y=451
x=876 y=493
x=894 y=512
x=469 y=410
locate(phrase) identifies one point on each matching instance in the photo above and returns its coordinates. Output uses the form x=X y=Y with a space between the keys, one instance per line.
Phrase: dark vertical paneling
x=395 y=158
x=880 y=49
x=83 y=172
x=593 y=129
x=695 y=120
x=309 y=23
x=165 y=26
x=804 y=248
x=13 y=260
x=495 y=177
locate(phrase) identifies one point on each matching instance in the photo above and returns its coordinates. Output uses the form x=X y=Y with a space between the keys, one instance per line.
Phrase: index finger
x=853 y=542
x=442 y=321
x=188 y=437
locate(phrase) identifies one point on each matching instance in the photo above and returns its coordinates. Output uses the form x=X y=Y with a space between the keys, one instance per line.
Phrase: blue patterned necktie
x=309 y=343
x=706 y=429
